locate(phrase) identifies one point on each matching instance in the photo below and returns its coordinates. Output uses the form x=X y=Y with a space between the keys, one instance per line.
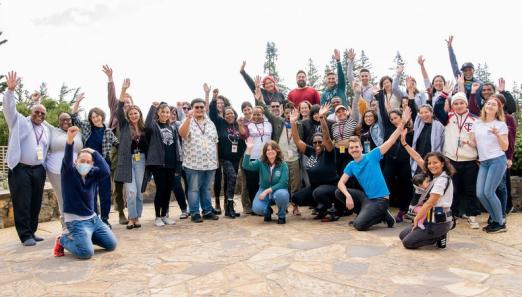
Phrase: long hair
x=381 y=82
x=448 y=168
x=279 y=156
x=362 y=125
x=97 y=111
x=162 y=106
x=398 y=112
x=431 y=90
x=499 y=115
x=141 y=125
x=309 y=108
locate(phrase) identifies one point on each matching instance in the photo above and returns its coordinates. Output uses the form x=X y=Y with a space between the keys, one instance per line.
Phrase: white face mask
x=83 y=168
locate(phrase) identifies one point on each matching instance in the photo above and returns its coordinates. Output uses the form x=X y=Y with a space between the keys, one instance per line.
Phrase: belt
x=28 y=166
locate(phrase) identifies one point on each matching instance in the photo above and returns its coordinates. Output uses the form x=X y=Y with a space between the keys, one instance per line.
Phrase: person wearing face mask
x=80 y=180
x=303 y=92
x=131 y=156
x=269 y=90
x=100 y=138
x=230 y=150
x=53 y=162
x=117 y=193
x=200 y=159
x=260 y=130
x=467 y=71
x=458 y=126
x=335 y=86
x=26 y=153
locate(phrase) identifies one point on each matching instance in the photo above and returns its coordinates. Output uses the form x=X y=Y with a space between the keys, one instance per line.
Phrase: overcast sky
x=169 y=48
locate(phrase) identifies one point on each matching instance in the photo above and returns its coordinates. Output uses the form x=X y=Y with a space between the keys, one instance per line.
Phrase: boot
x=218 y=206
x=123 y=220
x=229 y=209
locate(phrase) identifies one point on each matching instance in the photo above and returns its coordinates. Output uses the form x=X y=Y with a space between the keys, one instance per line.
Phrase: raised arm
x=473 y=104
x=341 y=79
x=396 y=86
x=247 y=164
x=413 y=154
x=150 y=115
x=67 y=162
x=301 y=146
x=119 y=111
x=111 y=90
x=327 y=141
x=349 y=66
x=438 y=109
x=249 y=81
x=452 y=57
x=185 y=127
x=206 y=89
x=406 y=116
x=425 y=76
x=511 y=104
x=9 y=102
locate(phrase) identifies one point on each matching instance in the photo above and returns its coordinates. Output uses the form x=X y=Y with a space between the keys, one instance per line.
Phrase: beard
x=301 y=83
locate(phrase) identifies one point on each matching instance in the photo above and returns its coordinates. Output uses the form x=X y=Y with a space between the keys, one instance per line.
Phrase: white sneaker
x=158 y=222
x=168 y=221
x=473 y=224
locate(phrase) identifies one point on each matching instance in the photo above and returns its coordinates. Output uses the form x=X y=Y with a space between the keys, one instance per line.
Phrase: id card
x=342 y=149
x=205 y=144
x=366 y=146
x=39 y=153
x=234 y=148
x=137 y=157
x=290 y=154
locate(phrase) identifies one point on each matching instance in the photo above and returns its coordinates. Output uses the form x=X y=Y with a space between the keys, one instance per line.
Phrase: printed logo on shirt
x=277 y=173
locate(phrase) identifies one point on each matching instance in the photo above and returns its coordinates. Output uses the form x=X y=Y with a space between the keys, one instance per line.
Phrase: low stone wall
x=48 y=212
x=516 y=192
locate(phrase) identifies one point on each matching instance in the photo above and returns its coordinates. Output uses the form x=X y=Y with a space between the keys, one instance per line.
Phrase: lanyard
x=201 y=129
x=341 y=130
x=460 y=124
x=288 y=135
x=38 y=137
x=261 y=132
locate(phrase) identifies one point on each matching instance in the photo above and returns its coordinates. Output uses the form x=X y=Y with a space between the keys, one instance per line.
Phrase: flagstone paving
x=247 y=257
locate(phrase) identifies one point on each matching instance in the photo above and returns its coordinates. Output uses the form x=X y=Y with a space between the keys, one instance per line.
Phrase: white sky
x=169 y=48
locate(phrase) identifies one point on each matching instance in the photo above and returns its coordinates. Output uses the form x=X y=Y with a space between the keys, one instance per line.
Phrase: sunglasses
x=199 y=107
x=186 y=108
x=274 y=106
x=39 y=112
x=317 y=142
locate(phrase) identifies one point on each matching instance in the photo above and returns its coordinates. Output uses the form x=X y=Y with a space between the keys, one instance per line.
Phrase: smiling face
x=468 y=73
x=220 y=104
x=269 y=85
x=304 y=109
x=459 y=106
x=163 y=114
x=96 y=119
x=374 y=105
x=301 y=80
x=395 y=118
x=247 y=112
x=355 y=149
x=365 y=78
x=199 y=109
x=38 y=113
x=387 y=85
x=426 y=115
x=275 y=108
x=341 y=114
x=287 y=113
x=491 y=107
x=230 y=116
x=487 y=91
x=317 y=143
x=435 y=166
x=438 y=83
x=369 y=118
x=331 y=80
x=64 y=121
x=127 y=102
x=133 y=115
x=257 y=115
x=271 y=153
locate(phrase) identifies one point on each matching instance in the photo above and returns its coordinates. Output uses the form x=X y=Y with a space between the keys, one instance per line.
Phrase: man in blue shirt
x=371 y=204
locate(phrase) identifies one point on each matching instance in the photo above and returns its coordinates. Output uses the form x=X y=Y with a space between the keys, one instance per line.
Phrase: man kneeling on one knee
x=371 y=204
x=79 y=180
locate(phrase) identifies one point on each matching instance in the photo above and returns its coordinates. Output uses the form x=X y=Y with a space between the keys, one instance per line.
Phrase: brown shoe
x=123 y=219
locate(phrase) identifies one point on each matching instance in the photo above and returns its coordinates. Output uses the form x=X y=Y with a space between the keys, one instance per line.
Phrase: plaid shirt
x=109 y=139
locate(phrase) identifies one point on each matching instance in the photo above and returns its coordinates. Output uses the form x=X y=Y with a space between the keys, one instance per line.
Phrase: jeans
x=133 y=189
x=413 y=239
x=83 y=234
x=199 y=190
x=502 y=192
x=26 y=185
x=369 y=211
x=279 y=197
x=489 y=177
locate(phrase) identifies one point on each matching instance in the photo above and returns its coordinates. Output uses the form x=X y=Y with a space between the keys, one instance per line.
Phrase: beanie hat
x=459 y=96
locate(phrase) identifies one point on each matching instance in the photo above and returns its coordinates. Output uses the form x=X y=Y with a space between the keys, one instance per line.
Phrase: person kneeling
x=273 y=180
x=79 y=180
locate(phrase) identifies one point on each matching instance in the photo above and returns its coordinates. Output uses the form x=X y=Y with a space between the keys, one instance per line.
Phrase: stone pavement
x=247 y=257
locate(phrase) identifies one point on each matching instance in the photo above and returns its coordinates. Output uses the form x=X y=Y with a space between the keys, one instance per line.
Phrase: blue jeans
x=489 y=177
x=133 y=189
x=83 y=234
x=279 y=197
x=199 y=190
x=502 y=192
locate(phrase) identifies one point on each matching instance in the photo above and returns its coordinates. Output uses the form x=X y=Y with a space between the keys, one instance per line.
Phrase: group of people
x=436 y=155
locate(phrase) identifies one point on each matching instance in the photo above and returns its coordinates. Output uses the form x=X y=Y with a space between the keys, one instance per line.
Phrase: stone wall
x=516 y=192
x=48 y=212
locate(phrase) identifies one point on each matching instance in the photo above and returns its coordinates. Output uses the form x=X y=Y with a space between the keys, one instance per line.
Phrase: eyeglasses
x=317 y=142
x=199 y=107
x=186 y=108
x=39 y=112
x=65 y=119
x=275 y=106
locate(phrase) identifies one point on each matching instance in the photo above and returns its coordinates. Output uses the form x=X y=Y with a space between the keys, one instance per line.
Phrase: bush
x=516 y=169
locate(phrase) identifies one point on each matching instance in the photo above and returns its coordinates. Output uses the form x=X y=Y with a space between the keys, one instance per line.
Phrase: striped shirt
x=342 y=130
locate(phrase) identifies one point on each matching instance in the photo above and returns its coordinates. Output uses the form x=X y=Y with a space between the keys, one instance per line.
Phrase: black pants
x=341 y=160
x=252 y=179
x=26 y=185
x=397 y=174
x=230 y=169
x=164 y=178
x=320 y=197
x=369 y=211
x=218 y=176
x=413 y=239
x=177 y=188
x=465 y=201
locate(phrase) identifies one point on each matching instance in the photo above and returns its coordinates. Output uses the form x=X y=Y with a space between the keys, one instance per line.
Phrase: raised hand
x=406 y=115
x=257 y=93
x=249 y=143
x=294 y=115
x=126 y=84
x=421 y=60
x=257 y=81
x=71 y=133
x=243 y=66
x=12 y=81
x=108 y=71
x=351 y=54
x=215 y=92
x=400 y=69
x=206 y=88
x=155 y=104
x=501 y=85
x=356 y=86
x=336 y=55
x=88 y=149
x=449 y=41
x=448 y=87
x=78 y=99
x=35 y=97
x=474 y=87
x=324 y=109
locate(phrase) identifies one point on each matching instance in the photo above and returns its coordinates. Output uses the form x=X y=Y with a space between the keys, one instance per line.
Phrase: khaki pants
x=294 y=176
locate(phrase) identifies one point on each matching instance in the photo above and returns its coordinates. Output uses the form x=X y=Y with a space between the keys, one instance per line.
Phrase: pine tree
x=313 y=75
x=482 y=73
x=398 y=61
x=517 y=94
x=269 y=67
x=364 y=63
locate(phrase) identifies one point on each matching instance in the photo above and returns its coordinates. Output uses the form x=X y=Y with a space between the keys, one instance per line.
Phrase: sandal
x=137 y=225
x=130 y=226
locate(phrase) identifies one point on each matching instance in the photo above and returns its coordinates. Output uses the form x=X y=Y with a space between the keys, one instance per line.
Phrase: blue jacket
x=79 y=196
x=456 y=72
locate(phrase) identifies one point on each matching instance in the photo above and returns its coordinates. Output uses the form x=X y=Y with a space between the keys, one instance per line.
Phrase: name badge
x=137 y=156
x=39 y=153
x=342 y=149
x=290 y=154
x=205 y=144
x=234 y=148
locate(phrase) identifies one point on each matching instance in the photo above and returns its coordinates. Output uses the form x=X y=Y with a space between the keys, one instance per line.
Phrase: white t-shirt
x=439 y=185
x=261 y=133
x=487 y=143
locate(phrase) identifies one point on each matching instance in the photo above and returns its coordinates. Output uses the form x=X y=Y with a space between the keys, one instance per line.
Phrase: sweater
x=296 y=96
x=228 y=135
x=277 y=179
x=267 y=96
x=338 y=90
x=79 y=196
x=58 y=139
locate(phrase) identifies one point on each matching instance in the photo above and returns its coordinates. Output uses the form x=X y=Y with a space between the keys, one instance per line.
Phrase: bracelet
x=405 y=145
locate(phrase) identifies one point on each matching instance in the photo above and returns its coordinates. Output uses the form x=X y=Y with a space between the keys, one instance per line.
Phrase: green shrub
x=516 y=169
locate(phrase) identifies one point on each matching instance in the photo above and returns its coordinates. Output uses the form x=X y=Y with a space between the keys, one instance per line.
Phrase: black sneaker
x=281 y=221
x=389 y=219
x=496 y=228
x=196 y=218
x=441 y=243
x=488 y=226
x=268 y=214
x=211 y=216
